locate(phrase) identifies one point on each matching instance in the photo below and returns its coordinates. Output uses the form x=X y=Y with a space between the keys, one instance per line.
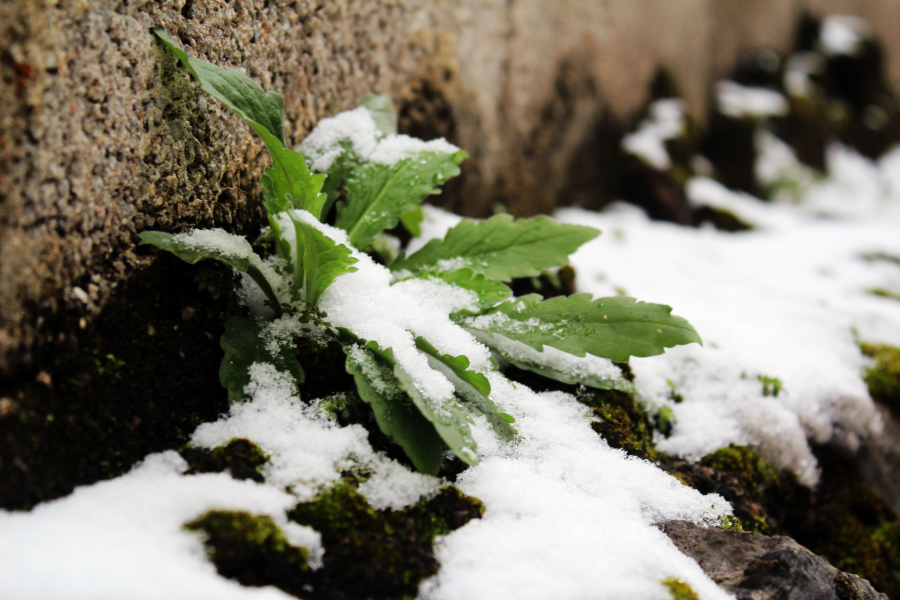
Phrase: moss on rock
x=883 y=379
x=763 y=497
x=378 y=553
x=620 y=421
x=679 y=590
x=252 y=549
x=853 y=527
x=241 y=457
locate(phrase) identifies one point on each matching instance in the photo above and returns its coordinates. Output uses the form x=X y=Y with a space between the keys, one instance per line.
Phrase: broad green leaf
x=473 y=388
x=615 y=328
x=382 y=110
x=243 y=347
x=233 y=88
x=320 y=260
x=489 y=292
x=412 y=220
x=500 y=247
x=264 y=111
x=217 y=245
x=377 y=194
x=292 y=183
x=335 y=176
x=395 y=413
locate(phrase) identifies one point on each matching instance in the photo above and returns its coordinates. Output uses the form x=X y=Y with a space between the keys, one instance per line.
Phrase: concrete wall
x=102 y=136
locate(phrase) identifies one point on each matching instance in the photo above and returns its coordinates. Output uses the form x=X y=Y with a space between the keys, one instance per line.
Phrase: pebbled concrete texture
x=102 y=136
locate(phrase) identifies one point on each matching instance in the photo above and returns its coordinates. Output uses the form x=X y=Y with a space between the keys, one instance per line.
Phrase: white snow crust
x=843 y=34
x=357 y=129
x=788 y=301
x=738 y=101
x=665 y=121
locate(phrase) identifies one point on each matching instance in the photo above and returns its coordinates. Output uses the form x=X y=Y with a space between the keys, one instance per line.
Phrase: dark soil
x=140 y=382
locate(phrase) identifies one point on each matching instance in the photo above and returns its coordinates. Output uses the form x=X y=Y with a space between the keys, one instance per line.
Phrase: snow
x=665 y=121
x=356 y=129
x=738 y=101
x=786 y=300
x=797 y=72
x=843 y=34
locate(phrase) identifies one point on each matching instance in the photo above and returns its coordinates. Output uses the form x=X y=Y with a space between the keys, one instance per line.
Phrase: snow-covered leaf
x=616 y=328
x=545 y=366
x=220 y=245
x=378 y=193
x=488 y=291
x=447 y=416
x=243 y=347
x=501 y=248
x=320 y=260
x=395 y=413
x=472 y=388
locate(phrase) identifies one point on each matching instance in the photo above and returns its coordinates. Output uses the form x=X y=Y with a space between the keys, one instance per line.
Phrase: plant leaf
x=243 y=347
x=615 y=328
x=218 y=245
x=292 y=183
x=395 y=413
x=551 y=371
x=264 y=112
x=320 y=260
x=382 y=110
x=447 y=417
x=377 y=194
x=233 y=88
x=501 y=248
x=412 y=220
x=472 y=387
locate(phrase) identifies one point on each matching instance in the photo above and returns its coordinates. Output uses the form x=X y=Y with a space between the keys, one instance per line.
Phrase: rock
x=758 y=567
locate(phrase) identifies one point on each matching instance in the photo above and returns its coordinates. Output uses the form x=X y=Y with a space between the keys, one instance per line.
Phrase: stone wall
x=101 y=135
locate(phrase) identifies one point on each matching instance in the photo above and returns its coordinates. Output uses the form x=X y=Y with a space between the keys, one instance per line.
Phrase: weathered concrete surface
x=102 y=136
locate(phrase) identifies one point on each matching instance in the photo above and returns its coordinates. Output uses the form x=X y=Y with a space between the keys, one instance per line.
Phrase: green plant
x=371 y=179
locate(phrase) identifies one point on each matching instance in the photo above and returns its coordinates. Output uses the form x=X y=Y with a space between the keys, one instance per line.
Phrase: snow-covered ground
x=567 y=516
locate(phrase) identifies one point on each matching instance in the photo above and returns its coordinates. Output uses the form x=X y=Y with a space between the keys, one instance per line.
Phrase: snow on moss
x=784 y=302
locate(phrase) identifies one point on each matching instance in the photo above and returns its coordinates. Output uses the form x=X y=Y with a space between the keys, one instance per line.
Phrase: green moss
x=883 y=379
x=241 y=457
x=857 y=532
x=252 y=550
x=732 y=523
x=763 y=497
x=882 y=293
x=379 y=553
x=620 y=421
x=754 y=472
x=679 y=590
